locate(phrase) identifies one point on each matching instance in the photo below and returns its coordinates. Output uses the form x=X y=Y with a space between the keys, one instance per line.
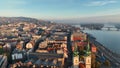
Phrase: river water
x=110 y=39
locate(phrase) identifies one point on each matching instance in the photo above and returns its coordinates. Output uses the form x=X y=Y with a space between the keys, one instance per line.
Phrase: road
x=112 y=57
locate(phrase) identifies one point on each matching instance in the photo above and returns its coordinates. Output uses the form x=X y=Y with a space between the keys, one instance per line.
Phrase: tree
x=97 y=64
x=93 y=60
x=107 y=63
x=1 y=50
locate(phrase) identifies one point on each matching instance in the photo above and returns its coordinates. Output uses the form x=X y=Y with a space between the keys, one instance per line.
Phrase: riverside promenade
x=108 y=54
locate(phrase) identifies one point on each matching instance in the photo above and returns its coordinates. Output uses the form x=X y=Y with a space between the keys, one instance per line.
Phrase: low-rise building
x=3 y=61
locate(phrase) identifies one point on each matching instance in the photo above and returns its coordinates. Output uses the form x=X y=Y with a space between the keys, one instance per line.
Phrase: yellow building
x=87 y=61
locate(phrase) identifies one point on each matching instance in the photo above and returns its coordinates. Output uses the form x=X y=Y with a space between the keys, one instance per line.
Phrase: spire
x=87 y=51
x=75 y=52
x=88 y=46
x=76 y=47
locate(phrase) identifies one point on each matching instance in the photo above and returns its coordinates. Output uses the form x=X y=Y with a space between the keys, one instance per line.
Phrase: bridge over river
x=109 y=27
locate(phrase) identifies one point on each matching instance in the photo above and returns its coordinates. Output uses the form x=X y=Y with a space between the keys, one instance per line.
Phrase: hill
x=6 y=20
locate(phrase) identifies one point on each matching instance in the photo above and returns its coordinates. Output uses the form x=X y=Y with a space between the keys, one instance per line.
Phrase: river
x=110 y=39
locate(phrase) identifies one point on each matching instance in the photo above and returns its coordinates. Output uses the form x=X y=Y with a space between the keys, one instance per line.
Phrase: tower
x=87 y=61
x=87 y=57
x=76 y=61
x=75 y=57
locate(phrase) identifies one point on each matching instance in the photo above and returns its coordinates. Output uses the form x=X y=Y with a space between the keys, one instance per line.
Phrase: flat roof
x=45 y=55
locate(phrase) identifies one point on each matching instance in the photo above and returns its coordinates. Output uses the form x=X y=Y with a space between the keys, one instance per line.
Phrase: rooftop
x=45 y=55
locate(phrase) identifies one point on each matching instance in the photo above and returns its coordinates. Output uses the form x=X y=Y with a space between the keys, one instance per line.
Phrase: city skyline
x=60 y=9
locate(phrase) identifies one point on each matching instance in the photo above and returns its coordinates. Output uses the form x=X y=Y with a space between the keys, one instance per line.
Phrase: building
x=76 y=61
x=94 y=49
x=75 y=56
x=78 y=36
x=7 y=47
x=87 y=61
x=47 y=60
x=3 y=61
x=30 y=44
x=19 y=54
x=81 y=50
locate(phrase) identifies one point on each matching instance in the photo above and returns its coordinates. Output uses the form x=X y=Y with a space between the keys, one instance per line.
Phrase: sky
x=59 y=9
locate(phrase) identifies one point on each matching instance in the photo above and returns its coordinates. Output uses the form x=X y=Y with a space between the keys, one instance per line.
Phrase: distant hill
x=5 y=20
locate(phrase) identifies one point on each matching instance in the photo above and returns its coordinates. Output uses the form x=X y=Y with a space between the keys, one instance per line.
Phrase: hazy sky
x=59 y=9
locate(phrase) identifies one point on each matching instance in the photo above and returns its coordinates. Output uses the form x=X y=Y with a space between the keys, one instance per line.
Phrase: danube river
x=110 y=39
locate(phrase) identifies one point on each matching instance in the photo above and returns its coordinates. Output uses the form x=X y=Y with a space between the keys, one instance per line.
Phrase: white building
x=76 y=62
x=29 y=45
x=17 y=56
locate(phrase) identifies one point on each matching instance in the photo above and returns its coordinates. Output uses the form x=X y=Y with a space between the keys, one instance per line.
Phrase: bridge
x=97 y=26
x=92 y=26
x=109 y=28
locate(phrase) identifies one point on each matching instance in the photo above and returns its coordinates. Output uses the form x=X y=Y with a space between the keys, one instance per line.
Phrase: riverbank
x=109 y=39
x=108 y=54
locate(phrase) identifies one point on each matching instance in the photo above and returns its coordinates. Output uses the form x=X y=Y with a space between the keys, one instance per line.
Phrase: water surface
x=110 y=39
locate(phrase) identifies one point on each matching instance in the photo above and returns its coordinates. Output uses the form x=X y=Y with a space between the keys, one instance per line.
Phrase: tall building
x=75 y=57
x=87 y=57
x=88 y=61
x=76 y=61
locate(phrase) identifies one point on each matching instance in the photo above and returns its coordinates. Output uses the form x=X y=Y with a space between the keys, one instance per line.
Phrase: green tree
x=1 y=50
x=97 y=64
x=107 y=63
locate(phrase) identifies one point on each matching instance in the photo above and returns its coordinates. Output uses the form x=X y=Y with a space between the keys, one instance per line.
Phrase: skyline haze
x=56 y=10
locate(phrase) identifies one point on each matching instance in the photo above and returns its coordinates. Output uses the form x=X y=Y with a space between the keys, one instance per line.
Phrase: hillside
x=5 y=20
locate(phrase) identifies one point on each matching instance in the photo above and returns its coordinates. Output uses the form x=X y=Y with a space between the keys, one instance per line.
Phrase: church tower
x=76 y=61
x=87 y=57
x=75 y=57
x=87 y=61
